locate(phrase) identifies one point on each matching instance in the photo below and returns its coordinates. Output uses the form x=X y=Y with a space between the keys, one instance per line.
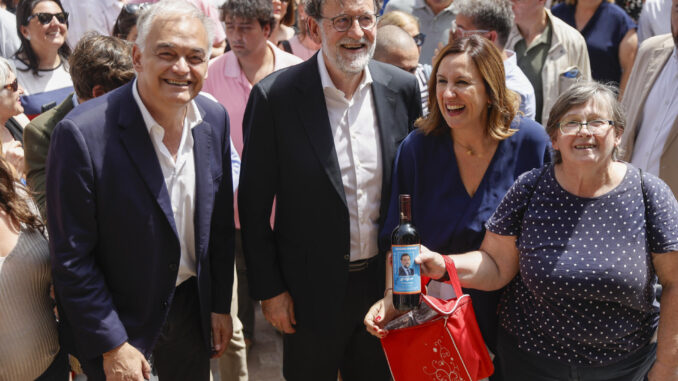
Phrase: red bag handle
x=452 y=274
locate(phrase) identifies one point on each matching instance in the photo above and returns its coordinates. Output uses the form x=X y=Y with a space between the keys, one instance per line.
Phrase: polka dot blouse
x=584 y=295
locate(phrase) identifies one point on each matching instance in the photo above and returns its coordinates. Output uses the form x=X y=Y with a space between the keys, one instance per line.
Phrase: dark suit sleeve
x=78 y=280
x=258 y=182
x=415 y=110
x=222 y=236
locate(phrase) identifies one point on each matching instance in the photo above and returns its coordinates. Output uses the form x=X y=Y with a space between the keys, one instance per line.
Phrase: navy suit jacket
x=113 y=241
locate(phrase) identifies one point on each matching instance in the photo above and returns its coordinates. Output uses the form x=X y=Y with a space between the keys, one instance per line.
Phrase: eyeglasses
x=419 y=39
x=342 y=23
x=133 y=9
x=46 y=18
x=595 y=127
x=466 y=32
x=14 y=86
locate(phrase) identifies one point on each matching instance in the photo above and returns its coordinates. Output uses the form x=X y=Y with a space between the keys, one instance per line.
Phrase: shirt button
x=164 y=304
x=347 y=257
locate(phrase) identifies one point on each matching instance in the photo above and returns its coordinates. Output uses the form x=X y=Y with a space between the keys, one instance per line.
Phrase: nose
x=584 y=130
x=181 y=66
x=355 y=31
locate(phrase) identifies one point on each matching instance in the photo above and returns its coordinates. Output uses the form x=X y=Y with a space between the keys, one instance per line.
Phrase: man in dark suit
x=321 y=138
x=405 y=269
x=139 y=202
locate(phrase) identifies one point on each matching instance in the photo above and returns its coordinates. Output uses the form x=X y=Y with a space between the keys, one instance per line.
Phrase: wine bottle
x=405 y=245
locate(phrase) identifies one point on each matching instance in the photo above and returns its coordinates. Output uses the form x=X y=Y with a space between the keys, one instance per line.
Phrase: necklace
x=468 y=149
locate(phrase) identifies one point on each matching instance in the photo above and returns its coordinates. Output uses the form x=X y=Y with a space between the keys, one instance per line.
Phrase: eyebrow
x=169 y=45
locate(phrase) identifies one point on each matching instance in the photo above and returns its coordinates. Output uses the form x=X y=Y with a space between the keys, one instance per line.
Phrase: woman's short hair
x=579 y=94
x=398 y=18
x=127 y=19
x=291 y=14
x=503 y=102
x=23 y=11
x=6 y=67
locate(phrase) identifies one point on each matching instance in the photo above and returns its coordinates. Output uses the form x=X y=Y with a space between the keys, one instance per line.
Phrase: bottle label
x=406 y=273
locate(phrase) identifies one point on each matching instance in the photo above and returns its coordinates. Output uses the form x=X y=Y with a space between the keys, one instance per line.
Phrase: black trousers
x=180 y=353
x=347 y=347
x=518 y=365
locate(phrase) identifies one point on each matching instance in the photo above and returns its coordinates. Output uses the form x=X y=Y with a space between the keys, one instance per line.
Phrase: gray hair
x=6 y=67
x=260 y=10
x=167 y=9
x=494 y=15
x=579 y=94
x=314 y=8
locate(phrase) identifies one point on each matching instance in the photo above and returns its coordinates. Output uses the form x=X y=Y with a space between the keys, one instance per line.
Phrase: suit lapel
x=204 y=195
x=137 y=142
x=314 y=118
x=384 y=104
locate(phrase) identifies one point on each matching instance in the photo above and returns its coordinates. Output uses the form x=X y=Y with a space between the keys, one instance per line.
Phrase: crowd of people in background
x=167 y=164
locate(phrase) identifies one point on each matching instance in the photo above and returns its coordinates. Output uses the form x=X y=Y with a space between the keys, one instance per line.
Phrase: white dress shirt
x=356 y=140
x=659 y=114
x=179 y=178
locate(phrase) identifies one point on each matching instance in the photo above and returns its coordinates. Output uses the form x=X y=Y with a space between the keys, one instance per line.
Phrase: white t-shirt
x=46 y=80
x=9 y=40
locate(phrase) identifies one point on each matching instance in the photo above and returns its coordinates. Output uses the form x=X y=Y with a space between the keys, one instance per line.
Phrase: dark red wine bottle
x=405 y=245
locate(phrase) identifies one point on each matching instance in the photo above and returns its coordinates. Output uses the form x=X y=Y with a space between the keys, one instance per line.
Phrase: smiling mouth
x=454 y=109
x=585 y=146
x=356 y=46
x=177 y=83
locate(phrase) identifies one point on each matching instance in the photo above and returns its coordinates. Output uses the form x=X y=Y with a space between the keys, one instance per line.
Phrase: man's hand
x=279 y=311
x=222 y=331
x=126 y=363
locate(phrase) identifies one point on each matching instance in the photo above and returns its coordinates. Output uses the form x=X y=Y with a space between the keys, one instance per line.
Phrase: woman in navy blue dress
x=463 y=157
x=610 y=36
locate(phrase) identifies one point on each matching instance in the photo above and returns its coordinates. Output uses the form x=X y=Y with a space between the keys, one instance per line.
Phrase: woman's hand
x=380 y=314
x=661 y=372
x=14 y=154
x=432 y=264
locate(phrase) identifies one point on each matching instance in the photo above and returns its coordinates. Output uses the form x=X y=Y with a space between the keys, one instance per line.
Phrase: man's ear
x=136 y=58
x=314 y=30
x=492 y=36
x=267 y=30
x=98 y=91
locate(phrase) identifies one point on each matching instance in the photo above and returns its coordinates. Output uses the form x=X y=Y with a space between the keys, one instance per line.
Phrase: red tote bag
x=449 y=347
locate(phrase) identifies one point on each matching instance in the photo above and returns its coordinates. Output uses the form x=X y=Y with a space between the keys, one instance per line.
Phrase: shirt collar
x=193 y=116
x=421 y=4
x=327 y=83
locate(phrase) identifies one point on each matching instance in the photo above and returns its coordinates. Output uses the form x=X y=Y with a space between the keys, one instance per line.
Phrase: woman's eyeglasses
x=595 y=127
x=46 y=18
x=14 y=86
x=134 y=9
x=419 y=39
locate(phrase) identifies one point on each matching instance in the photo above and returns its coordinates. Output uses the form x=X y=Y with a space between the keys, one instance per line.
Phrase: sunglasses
x=46 y=18
x=134 y=9
x=14 y=86
x=419 y=39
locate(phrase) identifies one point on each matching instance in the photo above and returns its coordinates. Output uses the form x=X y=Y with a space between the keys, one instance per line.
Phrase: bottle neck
x=405 y=209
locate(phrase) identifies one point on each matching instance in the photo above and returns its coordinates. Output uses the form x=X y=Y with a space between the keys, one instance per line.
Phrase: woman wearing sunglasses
x=41 y=61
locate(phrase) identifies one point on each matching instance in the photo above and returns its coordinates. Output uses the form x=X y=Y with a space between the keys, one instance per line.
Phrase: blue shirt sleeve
x=661 y=214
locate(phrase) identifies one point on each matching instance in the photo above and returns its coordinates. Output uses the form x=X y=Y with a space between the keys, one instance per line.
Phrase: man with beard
x=651 y=104
x=320 y=138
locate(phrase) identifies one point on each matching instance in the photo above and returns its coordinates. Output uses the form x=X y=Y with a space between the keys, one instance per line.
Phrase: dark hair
x=260 y=10
x=314 y=8
x=23 y=11
x=13 y=202
x=503 y=102
x=291 y=13
x=579 y=94
x=124 y=23
x=494 y=15
x=100 y=60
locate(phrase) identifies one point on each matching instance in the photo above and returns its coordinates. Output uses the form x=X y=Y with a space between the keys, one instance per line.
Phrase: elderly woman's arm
x=666 y=365
x=489 y=268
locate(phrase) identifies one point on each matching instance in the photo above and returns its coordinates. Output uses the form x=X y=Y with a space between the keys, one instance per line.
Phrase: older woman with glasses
x=581 y=244
x=42 y=59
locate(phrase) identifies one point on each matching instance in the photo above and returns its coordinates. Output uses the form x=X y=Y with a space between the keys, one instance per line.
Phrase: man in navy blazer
x=321 y=138
x=140 y=211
